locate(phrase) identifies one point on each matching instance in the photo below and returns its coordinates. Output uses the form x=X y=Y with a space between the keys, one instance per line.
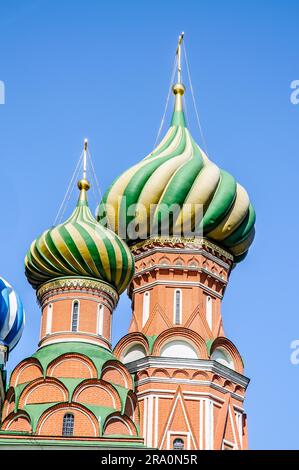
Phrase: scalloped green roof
x=97 y=354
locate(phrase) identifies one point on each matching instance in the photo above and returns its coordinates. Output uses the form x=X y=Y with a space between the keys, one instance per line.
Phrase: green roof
x=97 y=354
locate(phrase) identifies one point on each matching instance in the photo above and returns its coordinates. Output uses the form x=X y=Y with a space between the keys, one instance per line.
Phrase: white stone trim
x=181 y=363
x=145 y=307
x=177 y=284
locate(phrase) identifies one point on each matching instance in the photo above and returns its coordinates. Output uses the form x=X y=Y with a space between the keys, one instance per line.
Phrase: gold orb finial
x=178 y=89
x=83 y=184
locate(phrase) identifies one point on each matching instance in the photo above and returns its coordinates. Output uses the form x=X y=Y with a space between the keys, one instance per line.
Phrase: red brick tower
x=73 y=391
x=187 y=223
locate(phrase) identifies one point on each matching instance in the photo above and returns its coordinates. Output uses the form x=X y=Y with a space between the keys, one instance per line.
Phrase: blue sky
x=101 y=69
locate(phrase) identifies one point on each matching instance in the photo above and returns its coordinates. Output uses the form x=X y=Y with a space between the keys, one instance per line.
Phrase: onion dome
x=177 y=173
x=82 y=247
x=12 y=316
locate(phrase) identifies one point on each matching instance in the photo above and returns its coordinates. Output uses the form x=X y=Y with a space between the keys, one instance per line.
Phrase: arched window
x=222 y=356
x=75 y=316
x=145 y=308
x=49 y=319
x=68 y=424
x=178 y=444
x=177 y=307
x=100 y=320
x=209 y=312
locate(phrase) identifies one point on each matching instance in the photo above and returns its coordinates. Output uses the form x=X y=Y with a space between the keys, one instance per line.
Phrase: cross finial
x=178 y=53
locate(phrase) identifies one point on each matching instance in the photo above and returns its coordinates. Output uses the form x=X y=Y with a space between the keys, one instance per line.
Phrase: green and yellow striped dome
x=179 y=173
x=80 y=247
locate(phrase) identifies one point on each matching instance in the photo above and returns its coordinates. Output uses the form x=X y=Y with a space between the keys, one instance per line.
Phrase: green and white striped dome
x=80 y=247
x=179 y=173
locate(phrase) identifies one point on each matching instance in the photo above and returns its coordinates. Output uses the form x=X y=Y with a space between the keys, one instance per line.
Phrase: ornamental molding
x=75 y=284
x=195 y=244
x=181 y=363
x=180 y=267
x=170 y=380
x=148 y=285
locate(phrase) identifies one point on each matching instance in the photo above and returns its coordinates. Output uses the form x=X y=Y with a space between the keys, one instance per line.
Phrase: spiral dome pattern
x=179 y=173
x=12 y=316
x=80 y=247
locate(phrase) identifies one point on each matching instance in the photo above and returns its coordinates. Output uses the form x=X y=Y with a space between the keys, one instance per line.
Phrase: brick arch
x=200 y=376
x=180 y=374
x=164 y=260
x=19 y=421
x=181 y=333
x=129 y=340
x=179 y=261
x=217 y=380
x=131 y=408
x=231 y=349
x=119 y=424
x=142 y=375
x=206 y=264
x=214 y=269
x=51 y=421
x=115 y=372
x=228 y=385
x=192 y=262
x=239 y=389
x=46 y=390
x=160 y=373
x=27 y=371
x=9 y=403
x=97 y=392
x=72 y=365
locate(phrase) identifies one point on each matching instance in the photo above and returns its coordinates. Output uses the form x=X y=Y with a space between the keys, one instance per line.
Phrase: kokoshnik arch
x=175 y=381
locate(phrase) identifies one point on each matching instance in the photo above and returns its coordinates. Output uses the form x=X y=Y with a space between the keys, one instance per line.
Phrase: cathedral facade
x=174 y=381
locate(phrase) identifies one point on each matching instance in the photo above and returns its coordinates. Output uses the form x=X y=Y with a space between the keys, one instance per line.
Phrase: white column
x=150 y=408
x=156 y=421
x=209 y=424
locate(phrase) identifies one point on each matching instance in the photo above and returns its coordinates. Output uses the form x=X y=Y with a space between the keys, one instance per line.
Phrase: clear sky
x=101 y=69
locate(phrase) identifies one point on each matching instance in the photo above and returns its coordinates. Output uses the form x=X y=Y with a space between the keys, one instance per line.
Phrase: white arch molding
x=223 y=357
x=134 y=353
x=179 y=348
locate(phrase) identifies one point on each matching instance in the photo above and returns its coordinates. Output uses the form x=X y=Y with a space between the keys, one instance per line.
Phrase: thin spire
x=84 y=184
x=179 y=89
x=178 y=53
x=84 y=158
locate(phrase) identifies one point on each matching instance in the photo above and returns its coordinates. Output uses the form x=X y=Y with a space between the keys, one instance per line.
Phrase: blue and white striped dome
x=12 y=316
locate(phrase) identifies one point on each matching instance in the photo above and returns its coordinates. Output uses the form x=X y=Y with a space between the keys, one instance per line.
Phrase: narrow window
x=100 y=322
x=178 y=444
x=209 y=312
x=75 y=316
x=177 y=307
x=146 y=308
x=49 y=319
x=68 y=425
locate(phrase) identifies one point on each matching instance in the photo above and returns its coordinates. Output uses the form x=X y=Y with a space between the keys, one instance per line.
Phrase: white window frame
x=145 y=307
x=180 y=307
x=78 y=316
x=100 y=320
x=179 y=434
x=209 y=311
x=49 y=319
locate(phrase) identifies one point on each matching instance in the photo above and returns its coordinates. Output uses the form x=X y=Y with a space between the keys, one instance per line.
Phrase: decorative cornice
x=181 y=267
x=169 y=380
x=177 y=242
x=63 y=284
x=179 y=363
x=148 y=285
